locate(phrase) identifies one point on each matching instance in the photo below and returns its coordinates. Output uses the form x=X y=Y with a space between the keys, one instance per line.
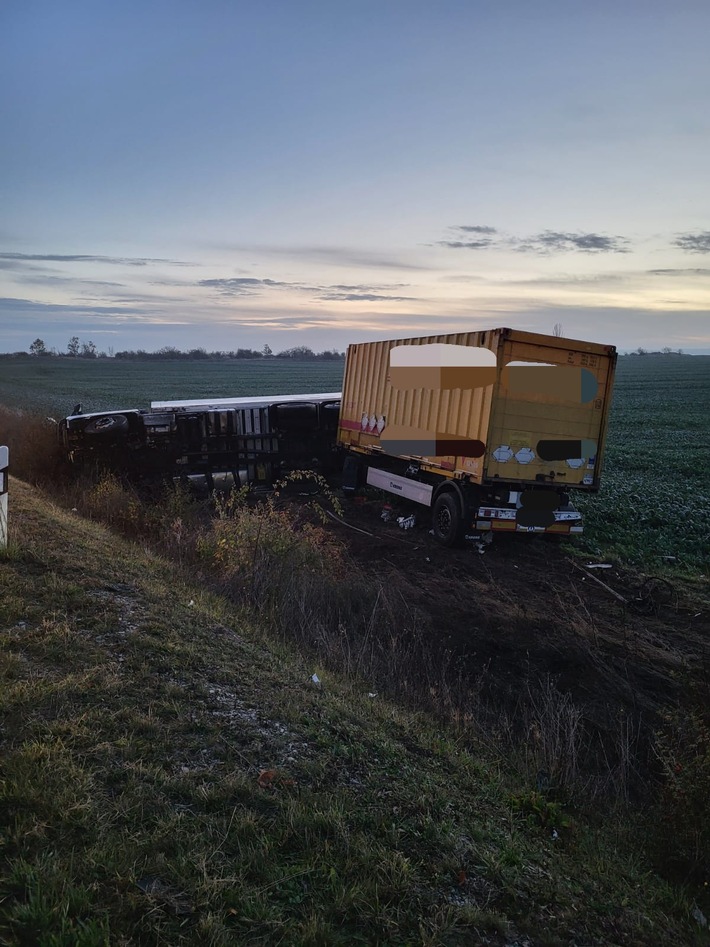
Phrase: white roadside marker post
x=4 y=464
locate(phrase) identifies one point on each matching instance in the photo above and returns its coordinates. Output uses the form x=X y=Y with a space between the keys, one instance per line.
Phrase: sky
x=226 y=174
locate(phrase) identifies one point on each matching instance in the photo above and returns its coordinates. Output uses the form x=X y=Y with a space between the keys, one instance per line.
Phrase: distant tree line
x=664 y=351
x=75 y=349
x=79 y=349
x=298 y=352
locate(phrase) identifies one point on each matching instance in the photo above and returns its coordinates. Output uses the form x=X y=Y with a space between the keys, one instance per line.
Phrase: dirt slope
x=524 y=608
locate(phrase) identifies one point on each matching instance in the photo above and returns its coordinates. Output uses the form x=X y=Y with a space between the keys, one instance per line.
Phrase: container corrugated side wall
x=368 y=394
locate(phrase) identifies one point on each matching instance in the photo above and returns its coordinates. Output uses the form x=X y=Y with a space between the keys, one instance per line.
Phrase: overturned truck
x=493 y=430
x=255 y=440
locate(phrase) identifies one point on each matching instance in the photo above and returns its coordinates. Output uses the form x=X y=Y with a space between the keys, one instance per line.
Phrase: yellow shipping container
x=472 y=417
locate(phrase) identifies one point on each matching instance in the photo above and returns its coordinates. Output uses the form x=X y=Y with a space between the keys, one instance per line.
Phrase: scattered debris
x=597 y=565
x=555 y=835
x=167 y=896
x=266 y=778
x=386 y=514
x=191 y=603
x=698 y=916
x=272 y=779
x=479 y=538
x=407 y=522
x=372 y=695
x=340 y=520
x=608 y=588
x=315 y=679
x=655 y=592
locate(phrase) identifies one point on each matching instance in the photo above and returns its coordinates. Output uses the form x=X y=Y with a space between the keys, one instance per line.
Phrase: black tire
x=108 y=425
x=447 y=520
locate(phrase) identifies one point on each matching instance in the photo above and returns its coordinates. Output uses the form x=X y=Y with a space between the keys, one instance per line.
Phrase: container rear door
x=550 y=427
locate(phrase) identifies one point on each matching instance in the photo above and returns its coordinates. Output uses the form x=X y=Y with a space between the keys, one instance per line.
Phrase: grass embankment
x=172 y=776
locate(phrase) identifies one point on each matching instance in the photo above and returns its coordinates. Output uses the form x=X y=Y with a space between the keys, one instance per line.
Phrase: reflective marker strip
x=509 y=526
x=502 y=513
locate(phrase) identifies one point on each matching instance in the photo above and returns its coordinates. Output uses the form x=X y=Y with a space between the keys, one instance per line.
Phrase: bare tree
x=558 y=330
x=38 y=348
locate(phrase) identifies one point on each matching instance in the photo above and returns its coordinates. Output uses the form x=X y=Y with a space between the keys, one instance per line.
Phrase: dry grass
x=171 y=775
x=35 y=452
x=276 y=561
x=287 y=574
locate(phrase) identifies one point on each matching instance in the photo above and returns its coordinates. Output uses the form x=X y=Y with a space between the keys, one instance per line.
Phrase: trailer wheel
x=110 y=424
x=447 y=520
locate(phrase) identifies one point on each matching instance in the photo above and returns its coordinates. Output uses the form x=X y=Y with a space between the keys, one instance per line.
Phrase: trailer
x=253 y=440
x=493 y=430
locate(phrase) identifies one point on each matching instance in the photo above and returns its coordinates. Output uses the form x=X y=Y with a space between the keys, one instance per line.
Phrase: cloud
x=694 y=242
x=332 y=256
x=88 y=258
x=462 y=278
x=249 y=286
x=32 y=307
x=466 y=244
x=242 y=286
x=689 y=271
x=15 y=265
x=544 y=243
x=341 y=255
x=364 y=288
x=363 y=293
x=484 y=240
x=364 y=297
x=570 y=280
x=553 y=241
x=41 y=280
x=182 y=323
x=477 y=228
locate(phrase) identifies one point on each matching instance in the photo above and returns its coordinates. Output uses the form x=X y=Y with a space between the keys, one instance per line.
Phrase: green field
x=655 y=494
x=655 y=497
x=54 y=385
